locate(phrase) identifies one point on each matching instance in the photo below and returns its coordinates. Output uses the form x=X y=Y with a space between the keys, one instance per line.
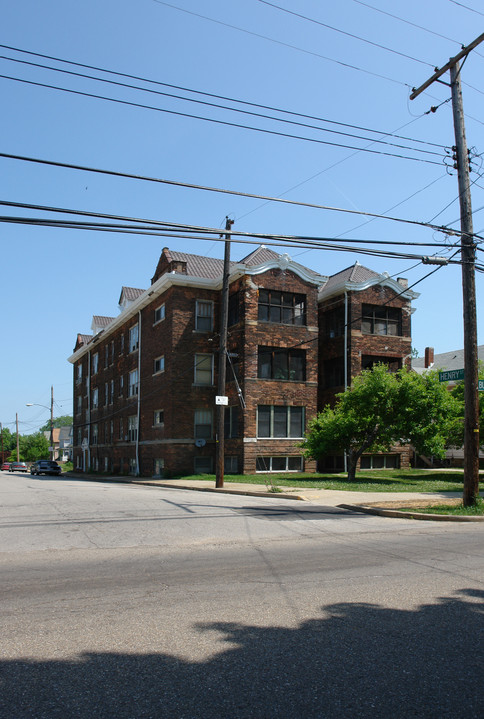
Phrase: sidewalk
x=325 y=497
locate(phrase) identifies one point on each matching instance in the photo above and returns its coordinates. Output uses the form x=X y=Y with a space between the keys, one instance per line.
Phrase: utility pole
x=468 y=251
x=18 y=448
x=1 y=433
x=52 y=421
x=224 y=311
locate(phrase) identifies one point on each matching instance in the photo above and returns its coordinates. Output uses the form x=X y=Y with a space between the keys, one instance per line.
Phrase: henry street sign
x=451 y=375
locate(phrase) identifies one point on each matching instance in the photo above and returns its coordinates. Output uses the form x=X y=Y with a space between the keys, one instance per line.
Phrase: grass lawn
x=457 y=509
x=410 y=480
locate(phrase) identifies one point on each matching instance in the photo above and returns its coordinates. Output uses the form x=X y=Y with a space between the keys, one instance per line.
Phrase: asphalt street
x=135 y=601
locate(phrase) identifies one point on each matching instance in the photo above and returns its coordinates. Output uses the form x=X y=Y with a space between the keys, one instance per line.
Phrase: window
x=203 y=465
x=393 y=363
x=121 y=435
x=233 y=313
x=380 y=461
x=121 y=344
x=203 y=424
x=111 y=430
x=78 y=374
x=106 y=394
x=133 y=338
x=231 y=465
x=231 y=422
x=159 y=314
x=158 y=418
x=79 y=404
x=121 y=385
x=381 y=320
x=94 y=434
x=95 y=364
x=159 y=365
x=133 y=383
x=334 y=372
x=279 y=464
x=283 y=364
x=280 y=421
x=112 y=352
x=133 y=467
x=203 y=373
x=132 y=428
x=79 y=437
x=334 y=322
x=106 y=356
x=95 y=398
x=158 y=467
x=203 y=316
x=111 y=392
x=282 y=307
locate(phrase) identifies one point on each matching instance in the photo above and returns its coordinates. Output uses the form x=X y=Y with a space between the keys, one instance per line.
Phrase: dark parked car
x=18 y=467
x=45 y=466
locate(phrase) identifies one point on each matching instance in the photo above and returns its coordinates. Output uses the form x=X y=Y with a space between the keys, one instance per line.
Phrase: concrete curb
x=409 y=514
x=222 y=490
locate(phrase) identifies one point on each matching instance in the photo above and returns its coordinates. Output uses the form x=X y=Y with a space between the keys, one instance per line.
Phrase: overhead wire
x=225 y=98
x=220 y=107
x=236 y=193
x=217 y=121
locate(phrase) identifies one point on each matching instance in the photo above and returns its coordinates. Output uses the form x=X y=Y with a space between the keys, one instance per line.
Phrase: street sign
x=451 y=375
x=480 y=385
x=220 y=399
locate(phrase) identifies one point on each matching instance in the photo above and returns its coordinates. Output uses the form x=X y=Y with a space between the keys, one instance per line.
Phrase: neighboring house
x=145 y=384
x=55 y=435
x=447 y=361
x=65 y=443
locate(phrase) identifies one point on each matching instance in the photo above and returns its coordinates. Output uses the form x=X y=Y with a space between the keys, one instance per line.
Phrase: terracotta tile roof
x=83 y=339
x=355 y=273
x=259 y=256
x=130 y=293
x=197 y=265
x=100 y=321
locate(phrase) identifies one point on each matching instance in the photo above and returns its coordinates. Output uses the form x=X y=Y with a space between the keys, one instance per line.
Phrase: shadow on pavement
x=357 y=660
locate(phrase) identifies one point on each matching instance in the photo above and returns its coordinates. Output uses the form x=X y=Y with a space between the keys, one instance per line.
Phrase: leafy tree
x=32 y=447
x=8 y=441
x=457 y=437
x=380 y=410
x=64 y=420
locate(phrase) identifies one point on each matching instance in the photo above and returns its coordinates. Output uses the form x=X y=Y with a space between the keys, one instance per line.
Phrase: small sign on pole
x=451 y=375
x=220 y=399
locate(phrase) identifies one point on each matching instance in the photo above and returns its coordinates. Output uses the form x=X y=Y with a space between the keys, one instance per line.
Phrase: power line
x=344 y=32
x=220 y=107
x=284 y=44
x=212 y=95
x=215 y=121
x=467 y=7
x=113 y=173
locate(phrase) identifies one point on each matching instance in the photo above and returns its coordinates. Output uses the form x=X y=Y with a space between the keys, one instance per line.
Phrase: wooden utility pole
x=468 y=251
x=16 y=426
x=222 y=355
x=52 y=453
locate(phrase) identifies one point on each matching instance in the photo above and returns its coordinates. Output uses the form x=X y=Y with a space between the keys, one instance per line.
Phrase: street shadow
x=354 y=661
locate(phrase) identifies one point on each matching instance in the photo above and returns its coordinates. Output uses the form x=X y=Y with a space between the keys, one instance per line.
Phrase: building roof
x=100 y=321
x=446 y=360
x=130 y=294
x=259 y=256
x=359 y=277
x=355 y=273
x=197 y=265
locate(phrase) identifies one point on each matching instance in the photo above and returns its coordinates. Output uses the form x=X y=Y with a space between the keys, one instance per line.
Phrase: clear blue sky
x=55 y=280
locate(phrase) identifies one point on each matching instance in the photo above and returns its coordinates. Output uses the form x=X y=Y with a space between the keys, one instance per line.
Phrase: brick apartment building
x=145 y=381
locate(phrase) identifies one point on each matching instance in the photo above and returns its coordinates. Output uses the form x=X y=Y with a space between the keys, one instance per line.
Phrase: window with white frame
x=79 y=373
x=279 y=464
x=95 y=398
x=204 y=316
x=159 y=365
x=203 y=372
x=158 y=418
x=280 y=421
x=134 y=338
x=133 y=383
x=159 y=314
x=203 y=465
x=132 y=428
x=203 y=424
x=95 y=363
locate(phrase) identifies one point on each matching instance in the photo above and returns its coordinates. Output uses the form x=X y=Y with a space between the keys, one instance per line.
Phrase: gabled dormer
x=128 y=296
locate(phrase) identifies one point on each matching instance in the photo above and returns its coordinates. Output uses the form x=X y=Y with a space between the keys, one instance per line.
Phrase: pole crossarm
x=453 y=60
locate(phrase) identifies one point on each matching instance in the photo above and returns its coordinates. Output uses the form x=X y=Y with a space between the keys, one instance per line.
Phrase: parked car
x=18 y=467
x=5 y=466
x=45 y=466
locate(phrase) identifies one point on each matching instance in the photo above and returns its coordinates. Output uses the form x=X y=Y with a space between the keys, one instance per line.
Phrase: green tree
x=33 y=447
x=381 y=409
x=64 y=420
x=457 y=437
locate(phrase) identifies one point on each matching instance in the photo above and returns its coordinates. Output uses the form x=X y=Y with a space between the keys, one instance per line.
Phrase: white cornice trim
x=383 y=279
x=284 y=262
